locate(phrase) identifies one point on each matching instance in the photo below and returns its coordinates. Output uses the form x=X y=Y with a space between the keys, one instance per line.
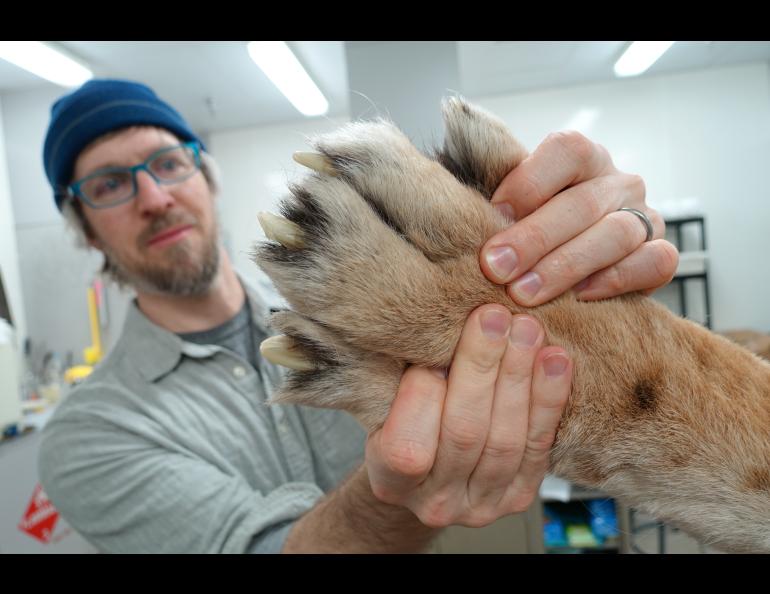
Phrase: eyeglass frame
x=74 y=191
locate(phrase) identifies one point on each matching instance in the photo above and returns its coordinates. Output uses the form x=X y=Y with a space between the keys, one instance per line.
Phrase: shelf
x=557 y=489
x=691 y=263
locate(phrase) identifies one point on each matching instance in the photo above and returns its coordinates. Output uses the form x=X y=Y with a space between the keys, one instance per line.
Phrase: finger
x=610 y=240
x=565 y=216
x=400 y=455
x=504 y=448
x=470 y=394
x=651 y=266
x=551 y=386
x=563 y=159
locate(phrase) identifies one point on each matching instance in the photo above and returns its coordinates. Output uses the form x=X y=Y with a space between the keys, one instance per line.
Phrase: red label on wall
x=41 y=516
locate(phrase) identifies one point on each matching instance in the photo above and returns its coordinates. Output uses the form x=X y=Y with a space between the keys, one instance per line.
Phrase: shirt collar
x=156 y=351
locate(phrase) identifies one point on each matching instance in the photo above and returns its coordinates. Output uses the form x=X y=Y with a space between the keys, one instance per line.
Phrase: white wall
x=9 y=258
x=404 y=81
x=256 y=165
x=54 y=272
x=703 y=134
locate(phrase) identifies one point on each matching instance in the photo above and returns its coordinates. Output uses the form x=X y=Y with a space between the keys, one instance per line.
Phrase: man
x=168 y=446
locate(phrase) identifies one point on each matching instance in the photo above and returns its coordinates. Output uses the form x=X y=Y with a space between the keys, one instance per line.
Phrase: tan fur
x=663 y=415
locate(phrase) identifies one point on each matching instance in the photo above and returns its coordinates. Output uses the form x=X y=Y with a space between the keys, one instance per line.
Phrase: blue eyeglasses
x=115 y=185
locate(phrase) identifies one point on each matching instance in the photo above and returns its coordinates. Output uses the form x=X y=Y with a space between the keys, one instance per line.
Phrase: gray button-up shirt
x=169 y=446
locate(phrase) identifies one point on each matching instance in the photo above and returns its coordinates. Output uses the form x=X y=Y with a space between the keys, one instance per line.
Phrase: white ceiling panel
x=217 y=86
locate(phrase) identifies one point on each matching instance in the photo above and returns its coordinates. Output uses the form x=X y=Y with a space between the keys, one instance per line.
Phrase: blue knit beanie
x=98 y=107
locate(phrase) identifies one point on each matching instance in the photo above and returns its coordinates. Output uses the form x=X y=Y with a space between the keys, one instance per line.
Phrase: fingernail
x=555 y=364
x=528 y=285
x=495 y=324
x=506 y=210
x=502 y=261
x=524 y=332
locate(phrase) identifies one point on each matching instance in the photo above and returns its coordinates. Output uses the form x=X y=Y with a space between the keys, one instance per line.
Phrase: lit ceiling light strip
x=639 y=56
x=284 y=70
x=45 y=62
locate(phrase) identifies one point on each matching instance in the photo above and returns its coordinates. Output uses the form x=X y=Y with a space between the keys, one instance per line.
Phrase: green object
x=580 y=535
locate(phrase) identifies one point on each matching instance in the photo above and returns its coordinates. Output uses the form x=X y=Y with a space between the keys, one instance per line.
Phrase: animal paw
x=376 y=252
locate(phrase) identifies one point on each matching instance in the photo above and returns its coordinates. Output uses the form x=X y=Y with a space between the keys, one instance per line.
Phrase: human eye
x=171 y=163
x=107 y=187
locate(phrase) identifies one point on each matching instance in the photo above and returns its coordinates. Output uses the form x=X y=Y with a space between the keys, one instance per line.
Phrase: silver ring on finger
x=642 y=217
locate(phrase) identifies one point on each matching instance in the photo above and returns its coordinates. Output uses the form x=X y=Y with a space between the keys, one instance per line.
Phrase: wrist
x=352 y=520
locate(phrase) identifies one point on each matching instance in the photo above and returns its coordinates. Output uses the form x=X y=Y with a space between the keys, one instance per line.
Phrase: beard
x=180 y=270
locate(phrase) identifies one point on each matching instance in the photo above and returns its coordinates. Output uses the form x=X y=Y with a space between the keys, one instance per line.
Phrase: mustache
x=162 y=222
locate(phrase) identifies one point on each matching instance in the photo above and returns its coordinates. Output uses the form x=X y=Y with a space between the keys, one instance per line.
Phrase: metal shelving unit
x=693 y=264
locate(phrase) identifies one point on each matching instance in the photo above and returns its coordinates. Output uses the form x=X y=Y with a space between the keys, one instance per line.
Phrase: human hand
x=472 y=447
x=564 y=199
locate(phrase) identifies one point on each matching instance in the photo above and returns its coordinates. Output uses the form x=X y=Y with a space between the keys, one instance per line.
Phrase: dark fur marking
x=278 y=254
x=383 y=214
x=645 y=395
x=298 y=381
x=344 y=165
x=306 y=212
x=314 y=350
x=318 y=353
x=464 y=172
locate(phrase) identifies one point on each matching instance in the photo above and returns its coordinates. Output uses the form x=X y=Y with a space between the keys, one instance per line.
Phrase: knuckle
x=593 y=202
x=407 y=459
x=484 y=362
x=604 y=153
x=386 y=495
x=503 y=452
x=437 y=512
x=481 y=517
x=531 y=191
x=614 y=280
x=582 y=149
x=631 y=231
x=540 y=442
x=636 y=185
x=463 y=433
x=564 y=265
x=535 y=239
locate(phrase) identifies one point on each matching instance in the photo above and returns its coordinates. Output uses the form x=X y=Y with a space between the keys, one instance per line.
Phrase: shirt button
x=239 y=371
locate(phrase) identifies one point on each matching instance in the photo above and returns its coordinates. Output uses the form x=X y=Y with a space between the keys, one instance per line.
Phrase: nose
x=151 y=197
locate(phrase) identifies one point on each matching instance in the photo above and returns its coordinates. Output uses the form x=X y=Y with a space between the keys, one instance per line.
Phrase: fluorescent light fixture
x=284 y=70
x=639 y=56
x=45 y=62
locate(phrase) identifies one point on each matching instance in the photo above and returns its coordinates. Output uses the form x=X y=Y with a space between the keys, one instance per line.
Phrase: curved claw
x=281 y=351
x=281 y=230
x=316 y=162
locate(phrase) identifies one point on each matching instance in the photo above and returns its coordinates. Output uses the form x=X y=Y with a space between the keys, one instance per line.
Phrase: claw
x=281 y=351
x=316 y=162
x=281 y=230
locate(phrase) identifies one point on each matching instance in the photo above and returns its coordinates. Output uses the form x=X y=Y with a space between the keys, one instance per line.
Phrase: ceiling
x=217 y=86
